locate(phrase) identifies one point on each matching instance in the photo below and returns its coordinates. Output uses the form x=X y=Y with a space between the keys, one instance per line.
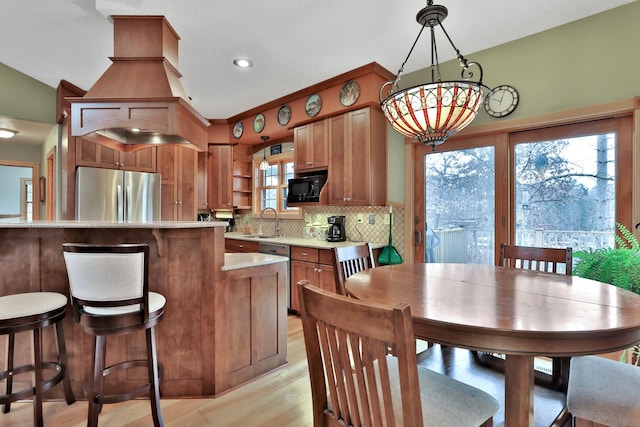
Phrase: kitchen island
x=225 y=317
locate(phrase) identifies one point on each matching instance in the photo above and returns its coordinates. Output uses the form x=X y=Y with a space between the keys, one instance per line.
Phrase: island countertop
x=235 y=261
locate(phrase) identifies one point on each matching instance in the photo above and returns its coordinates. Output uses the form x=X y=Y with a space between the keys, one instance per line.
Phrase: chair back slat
x=346 y=342
x=533 y=258
x=350 y=260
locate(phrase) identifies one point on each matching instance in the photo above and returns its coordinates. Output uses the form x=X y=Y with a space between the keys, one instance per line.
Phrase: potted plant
x=618 y=266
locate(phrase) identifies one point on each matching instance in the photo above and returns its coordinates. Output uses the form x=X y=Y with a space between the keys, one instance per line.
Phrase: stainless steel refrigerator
x=114 y=195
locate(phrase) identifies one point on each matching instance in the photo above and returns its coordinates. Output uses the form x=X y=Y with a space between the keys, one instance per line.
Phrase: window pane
x=460 y=193
x=565 y=192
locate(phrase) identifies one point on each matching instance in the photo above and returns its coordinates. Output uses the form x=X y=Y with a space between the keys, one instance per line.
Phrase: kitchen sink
x=259 y=236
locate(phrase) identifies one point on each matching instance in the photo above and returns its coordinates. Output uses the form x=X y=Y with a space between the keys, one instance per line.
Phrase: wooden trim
x=506 y=130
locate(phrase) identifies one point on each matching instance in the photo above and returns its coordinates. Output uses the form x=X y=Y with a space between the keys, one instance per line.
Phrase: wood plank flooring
x=281 y=398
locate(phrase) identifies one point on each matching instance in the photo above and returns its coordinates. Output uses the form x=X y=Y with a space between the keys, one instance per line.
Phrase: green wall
x=588 y=62
x=25 y=98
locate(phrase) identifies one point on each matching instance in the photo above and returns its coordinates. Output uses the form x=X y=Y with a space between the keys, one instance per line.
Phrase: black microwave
x=306 y=189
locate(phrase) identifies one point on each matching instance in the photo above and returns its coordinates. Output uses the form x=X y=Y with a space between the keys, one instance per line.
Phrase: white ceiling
x=293 y=43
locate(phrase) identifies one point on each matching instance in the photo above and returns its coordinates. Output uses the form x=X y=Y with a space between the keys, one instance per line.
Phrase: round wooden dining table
x=516 y=312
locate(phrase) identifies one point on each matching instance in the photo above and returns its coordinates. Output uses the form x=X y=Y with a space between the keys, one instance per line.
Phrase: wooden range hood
x=140 y=90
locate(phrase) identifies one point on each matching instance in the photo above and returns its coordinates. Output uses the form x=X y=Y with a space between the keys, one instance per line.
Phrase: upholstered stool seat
x=33 y=311
x=110 y=296
x=604 y=391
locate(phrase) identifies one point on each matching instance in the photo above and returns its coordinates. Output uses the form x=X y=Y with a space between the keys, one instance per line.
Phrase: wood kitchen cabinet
x=93 y=154
x=311 y=146
x=178 y=168
x=358 y=158
x=230 y=176
x=220 y=178
x=233 y=245
x=314 y=265
x=242 y=173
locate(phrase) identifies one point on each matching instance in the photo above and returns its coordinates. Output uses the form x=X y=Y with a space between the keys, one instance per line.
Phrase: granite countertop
x=298 y=241
x=234 y=261
x=105 y=224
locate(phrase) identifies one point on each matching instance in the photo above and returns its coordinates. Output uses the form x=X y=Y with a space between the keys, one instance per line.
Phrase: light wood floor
x=281 y=398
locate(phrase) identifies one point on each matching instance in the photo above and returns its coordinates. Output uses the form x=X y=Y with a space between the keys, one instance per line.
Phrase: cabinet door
x=338 y=151
x=358 y=166
x=167 y=169
x=220 y=176
x=301 y=270
x=320 y=144
x=178 y=168
x=326 y=277
x=203 y=177
x=357 y=172
x=89 y=153
x=311 y=146
x=187 y=179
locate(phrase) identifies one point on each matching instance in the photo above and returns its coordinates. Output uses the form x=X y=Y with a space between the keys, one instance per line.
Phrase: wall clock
x=502 y=101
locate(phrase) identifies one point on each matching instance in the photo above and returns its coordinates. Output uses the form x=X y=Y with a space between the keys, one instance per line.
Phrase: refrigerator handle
x=119 y=204
x=127 y=202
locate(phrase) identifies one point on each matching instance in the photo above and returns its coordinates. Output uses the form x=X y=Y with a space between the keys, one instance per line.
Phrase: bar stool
x=110 y=296
x=33 y=311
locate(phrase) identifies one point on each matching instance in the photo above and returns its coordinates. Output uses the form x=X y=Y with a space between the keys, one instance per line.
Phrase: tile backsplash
x=364 y=232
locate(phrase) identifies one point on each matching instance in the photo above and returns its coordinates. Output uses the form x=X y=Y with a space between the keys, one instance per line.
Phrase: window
x=558 y=186
x=271 y=186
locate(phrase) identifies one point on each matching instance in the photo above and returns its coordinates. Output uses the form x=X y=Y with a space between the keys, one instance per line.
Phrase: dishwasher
x=281 y=250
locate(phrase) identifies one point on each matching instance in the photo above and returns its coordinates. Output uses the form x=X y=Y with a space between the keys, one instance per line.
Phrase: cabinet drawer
x=304 y=254
x=325 y=256
x=234 y=245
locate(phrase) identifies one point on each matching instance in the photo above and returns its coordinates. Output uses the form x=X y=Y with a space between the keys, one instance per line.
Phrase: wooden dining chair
x=355 y=382
x=539 y=259
x=603 y=392
x=350 y=260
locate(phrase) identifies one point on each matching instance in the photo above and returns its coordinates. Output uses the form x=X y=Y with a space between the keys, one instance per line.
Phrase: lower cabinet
x=233 y=245
x=250 y=324
x=314 y=265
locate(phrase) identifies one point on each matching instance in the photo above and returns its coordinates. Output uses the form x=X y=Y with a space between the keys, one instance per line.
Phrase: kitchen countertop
x=298 y=241
x=106 y=224
x=235 y=261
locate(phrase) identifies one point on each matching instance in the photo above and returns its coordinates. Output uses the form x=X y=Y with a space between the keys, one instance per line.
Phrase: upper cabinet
x=230 y=176
x=89 y=153
x=311 y=146
x=178 y=168
x=220 y=183
x=358 y=158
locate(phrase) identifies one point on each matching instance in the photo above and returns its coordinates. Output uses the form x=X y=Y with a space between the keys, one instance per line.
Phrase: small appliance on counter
x=336 y=232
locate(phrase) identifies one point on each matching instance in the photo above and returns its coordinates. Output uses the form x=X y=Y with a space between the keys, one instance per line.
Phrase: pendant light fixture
x=432 y=112
x=264 y=163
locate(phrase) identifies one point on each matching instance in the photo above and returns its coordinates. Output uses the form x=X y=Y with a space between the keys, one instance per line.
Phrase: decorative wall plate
x=237 y=130
x=258 y=123
x=313 y=105
x=284 y=115
x=349 y=93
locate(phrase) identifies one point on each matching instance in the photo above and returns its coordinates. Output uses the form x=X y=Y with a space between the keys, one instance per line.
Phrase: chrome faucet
x=275 y=212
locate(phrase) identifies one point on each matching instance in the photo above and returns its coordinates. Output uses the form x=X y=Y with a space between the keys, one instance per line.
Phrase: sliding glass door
x=554 y=187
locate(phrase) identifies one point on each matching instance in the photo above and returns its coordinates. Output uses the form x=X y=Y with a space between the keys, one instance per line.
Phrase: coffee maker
x=336 y=231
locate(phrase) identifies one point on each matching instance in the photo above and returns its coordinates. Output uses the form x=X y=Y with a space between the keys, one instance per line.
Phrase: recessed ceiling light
x=7 y=133
x=243 y=63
